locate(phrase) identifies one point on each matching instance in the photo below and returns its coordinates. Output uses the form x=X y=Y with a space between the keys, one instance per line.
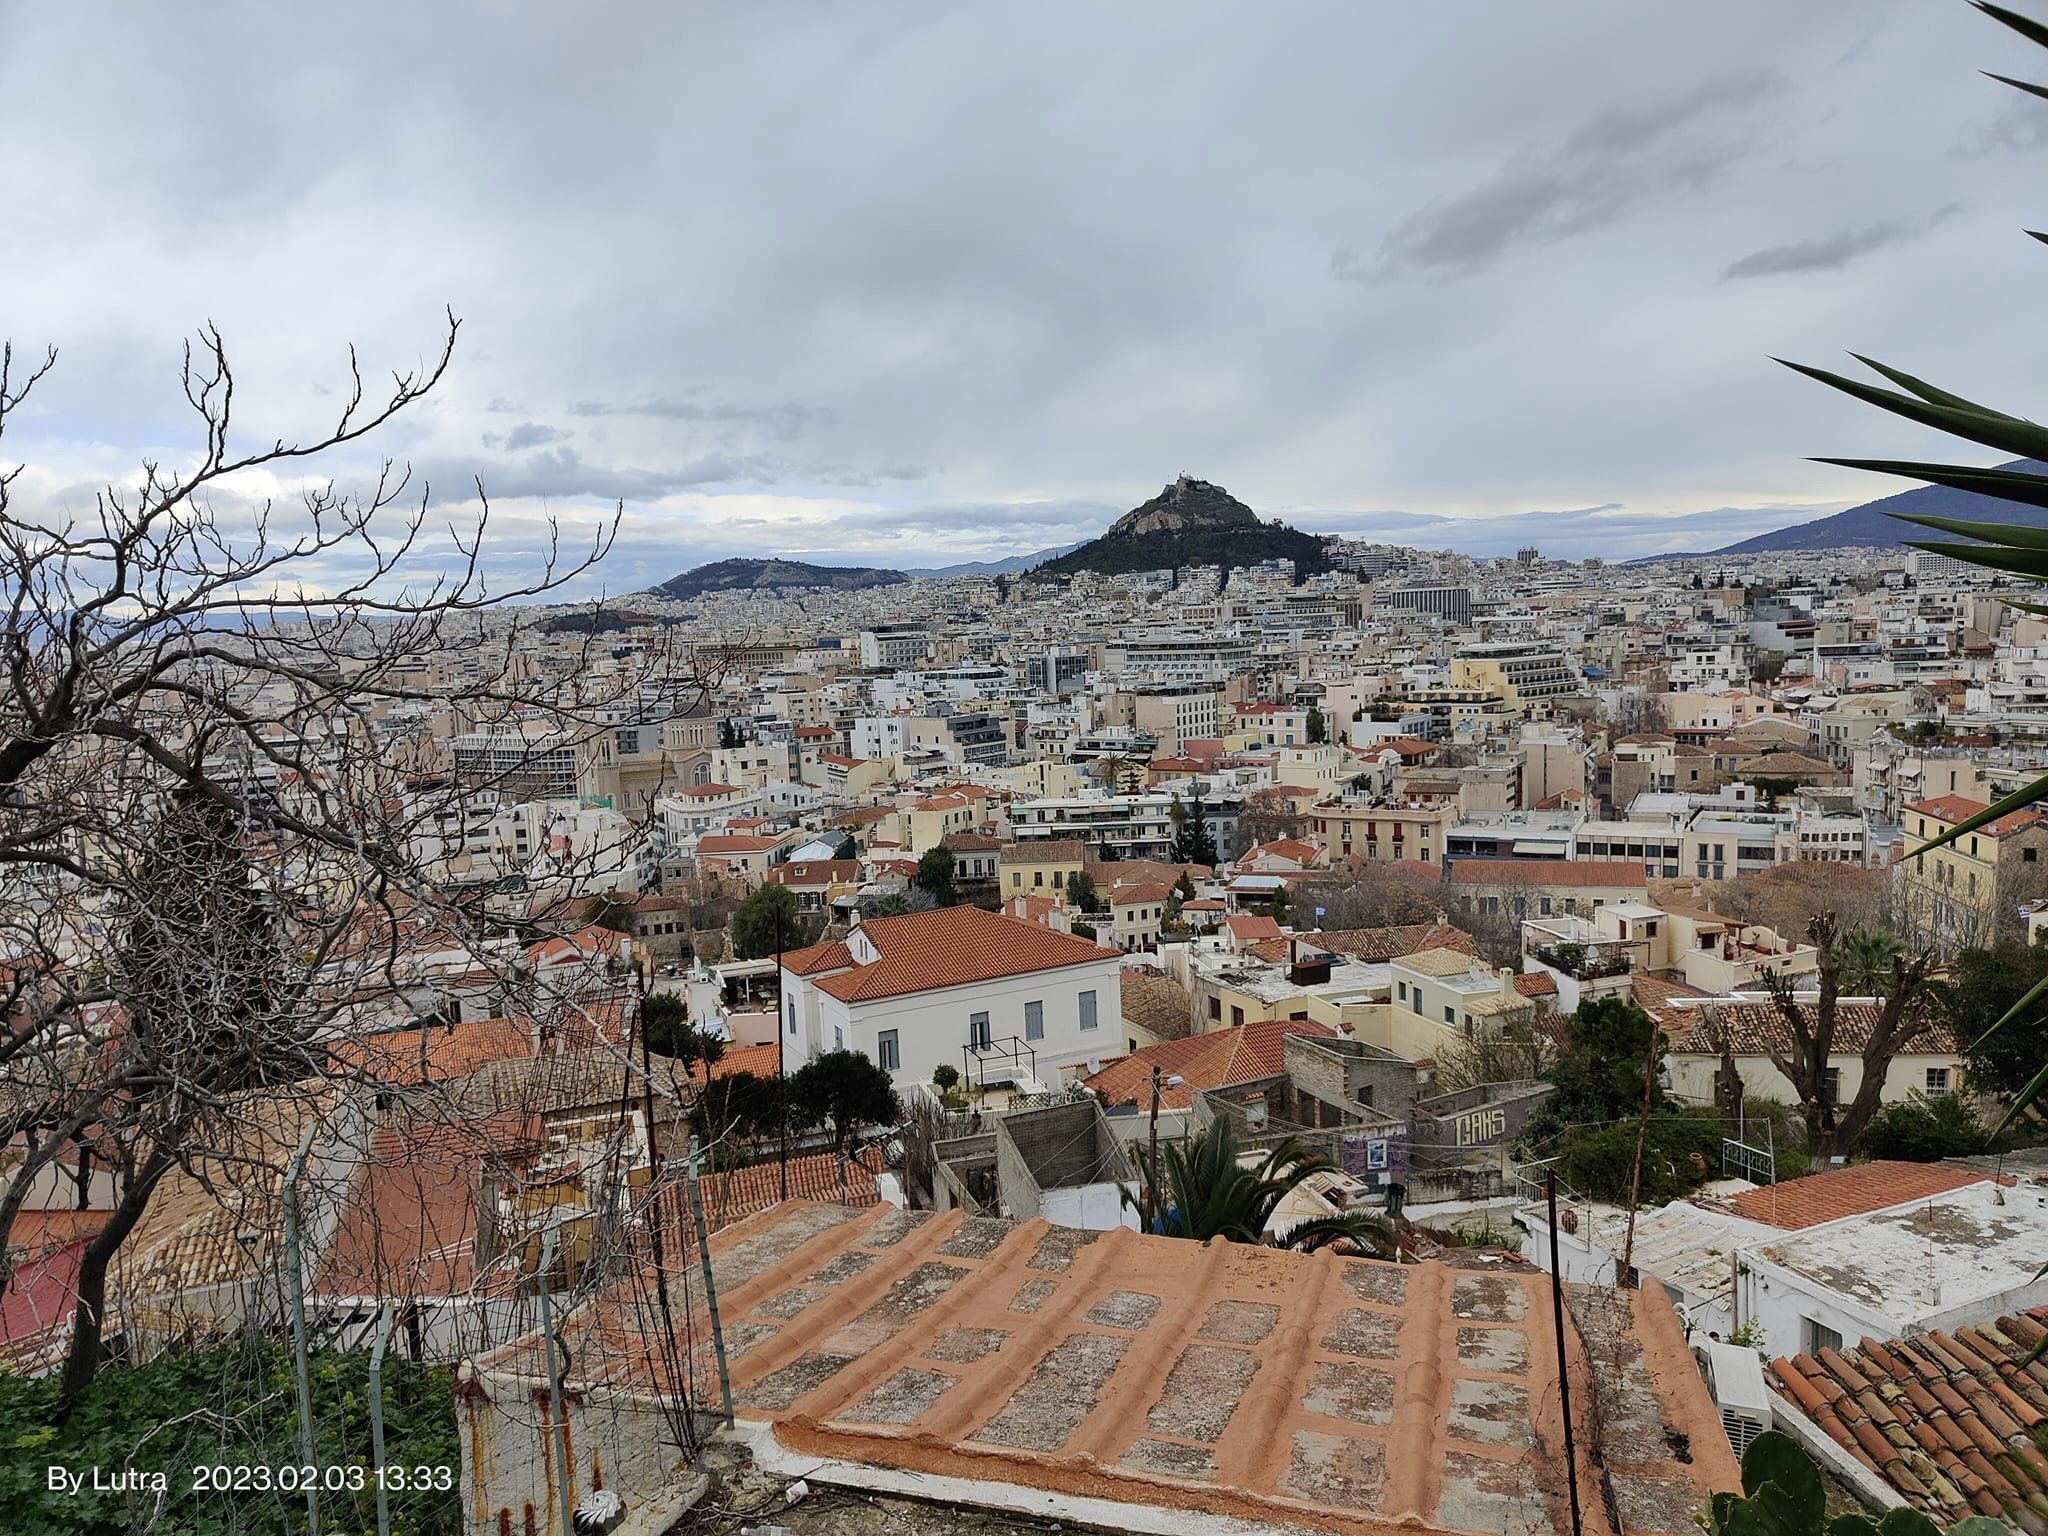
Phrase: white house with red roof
x=996 y=998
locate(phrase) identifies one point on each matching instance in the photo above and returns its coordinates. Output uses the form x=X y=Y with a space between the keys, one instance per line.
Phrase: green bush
x=1681 y=1153
x=1924 y=1130
x=234 y=1405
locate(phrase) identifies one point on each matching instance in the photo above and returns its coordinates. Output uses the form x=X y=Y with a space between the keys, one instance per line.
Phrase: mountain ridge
x=1875 y=525
x=746 y=574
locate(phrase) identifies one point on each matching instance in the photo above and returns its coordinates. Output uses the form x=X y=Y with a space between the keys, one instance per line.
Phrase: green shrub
x=1924 y=1130
x=1681 y=1153
x=233 y=1405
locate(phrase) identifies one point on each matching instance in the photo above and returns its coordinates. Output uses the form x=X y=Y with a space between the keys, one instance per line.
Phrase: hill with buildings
x=1875 y=524
x=1190 y=522
x=766 y=575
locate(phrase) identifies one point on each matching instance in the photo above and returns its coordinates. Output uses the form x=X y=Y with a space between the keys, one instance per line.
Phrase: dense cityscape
x=796 y=957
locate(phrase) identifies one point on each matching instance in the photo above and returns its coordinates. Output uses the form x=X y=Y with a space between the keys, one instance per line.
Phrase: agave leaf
x=2018 y=800
x=2006 y=535
x=2032 y=564
x=2020 y=1101
x=1993 y=429
x=1852 y=1525
x=2005 y=484
x=2013 y=602
x=1926 y=391
x=2019 y=85
x=2028 y=28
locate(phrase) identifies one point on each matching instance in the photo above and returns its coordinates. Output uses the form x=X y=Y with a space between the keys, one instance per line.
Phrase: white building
x=995 y=998
x=1967 y=1255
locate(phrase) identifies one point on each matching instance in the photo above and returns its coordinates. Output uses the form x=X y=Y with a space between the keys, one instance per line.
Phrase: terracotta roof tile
x=1218 y=1059
x=1849 y=1191
x=1946 y=1418
x=951 y=947
x=1954 y=808
x=1754 y=1028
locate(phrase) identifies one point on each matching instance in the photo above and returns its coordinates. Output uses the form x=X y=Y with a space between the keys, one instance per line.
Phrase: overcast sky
x=919 y=283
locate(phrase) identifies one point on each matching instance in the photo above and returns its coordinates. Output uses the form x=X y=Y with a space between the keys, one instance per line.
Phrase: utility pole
x=377 y=1420
x=560 y=1433
x=295 y=1277
x=710 y=1283
x=1152 y=1161
x=1564 y=1376
x=781 y=1068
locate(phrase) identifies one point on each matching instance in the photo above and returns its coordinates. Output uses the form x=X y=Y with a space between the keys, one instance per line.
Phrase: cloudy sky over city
x=910 y=284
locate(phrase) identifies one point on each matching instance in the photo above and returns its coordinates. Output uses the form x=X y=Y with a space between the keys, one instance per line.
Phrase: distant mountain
x=1874 y=525
x=1190 y=522
x=760 y=575
x=1013 y=566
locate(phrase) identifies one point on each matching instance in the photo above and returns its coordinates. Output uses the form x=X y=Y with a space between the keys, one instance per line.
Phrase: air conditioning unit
x=1737 y=1376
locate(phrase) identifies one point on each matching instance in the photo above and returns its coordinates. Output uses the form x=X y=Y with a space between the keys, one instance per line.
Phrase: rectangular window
x=1816 y=1335
x=1236 y=1017
x=1832 y=1085
x=1451 y=1015
x=1034 y=1020
x=1403 y=986
x=1216 y=1008
x=977 y=1031
x=838 y=1038
x=1937 y=1082
x=1088 y=1019
x=792 y=1015
x=888 y=1055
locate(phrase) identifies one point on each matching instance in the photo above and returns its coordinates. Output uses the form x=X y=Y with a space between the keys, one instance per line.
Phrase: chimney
x=1507 y=982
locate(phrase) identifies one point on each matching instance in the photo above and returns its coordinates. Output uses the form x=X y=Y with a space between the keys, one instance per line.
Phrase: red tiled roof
x=1140 y=891
x=1253 y=928
x=1954 y=808
x=1948 y=1419
x=815 y=872
x=436 y=1052
x=1580 y=872
x=1214 y=1060
x=952 y=947
x=829 y=956
x=752 y=1060
x=1753 y=1029
x=1536 y=984
x=1848 y=1191
x=717 y=844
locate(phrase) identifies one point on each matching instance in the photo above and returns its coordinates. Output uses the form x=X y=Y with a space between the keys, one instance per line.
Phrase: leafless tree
x=1813 y=1024
x=228 y=799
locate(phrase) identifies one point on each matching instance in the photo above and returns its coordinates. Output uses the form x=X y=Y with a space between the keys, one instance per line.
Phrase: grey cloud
x=918 y=312
x=1833 y=252
x=1611 y=164
x=528 y=434
x=1828 y=254
x=788 y=420
x=562 y=472
x=2019 y=127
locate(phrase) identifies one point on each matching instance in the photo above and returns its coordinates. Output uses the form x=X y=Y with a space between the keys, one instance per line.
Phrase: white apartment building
x=997 y=999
